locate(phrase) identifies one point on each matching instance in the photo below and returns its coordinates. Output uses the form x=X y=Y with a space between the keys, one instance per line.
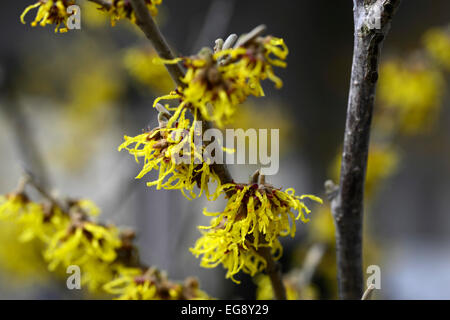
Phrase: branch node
x=331 y=189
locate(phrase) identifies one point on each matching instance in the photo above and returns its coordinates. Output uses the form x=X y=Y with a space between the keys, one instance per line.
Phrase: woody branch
x=372 y=19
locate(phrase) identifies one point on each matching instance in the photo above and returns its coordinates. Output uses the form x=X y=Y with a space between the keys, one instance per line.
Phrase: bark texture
x=372 y=23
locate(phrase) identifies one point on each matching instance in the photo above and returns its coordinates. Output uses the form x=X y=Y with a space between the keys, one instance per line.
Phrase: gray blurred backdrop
x=410 y=218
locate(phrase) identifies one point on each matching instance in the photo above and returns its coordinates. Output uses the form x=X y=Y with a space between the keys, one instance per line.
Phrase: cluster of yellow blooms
x=67 y=241
x=55 y=11
x=171 y=149
x=410 y=94
x=50 y=12
x=105 y=255
x=122 y=9
x=151 y=284
x=255 y=216
x=411 y=91
x=216 y=82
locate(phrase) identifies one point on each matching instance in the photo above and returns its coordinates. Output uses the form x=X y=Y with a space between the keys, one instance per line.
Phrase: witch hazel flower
x=256 y=215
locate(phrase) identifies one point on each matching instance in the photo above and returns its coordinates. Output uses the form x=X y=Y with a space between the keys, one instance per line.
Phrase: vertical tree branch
x=151 y=30
x=146 y=23
x=372 y=22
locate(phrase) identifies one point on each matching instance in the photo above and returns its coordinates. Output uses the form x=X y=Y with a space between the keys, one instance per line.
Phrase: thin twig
x=372 y=22
x=312 y=260
x=24 y=137
x=273 y=270
x=151 y=30
x=146 y=23
x=31 y=180
x=368 y=293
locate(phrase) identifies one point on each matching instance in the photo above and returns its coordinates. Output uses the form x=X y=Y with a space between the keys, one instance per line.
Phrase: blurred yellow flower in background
x=139 y=63
x=410 y=96
x=151 y=284
x=264 y=290
x=437 y=44
x=22 y=260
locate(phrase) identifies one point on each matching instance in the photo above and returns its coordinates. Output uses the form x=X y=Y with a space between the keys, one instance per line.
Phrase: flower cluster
x=171 y=149
x=50 y=12
x=216 y=82
x=411 y=94
x=122 y=9
x=412 y=90
x=55 y=12
x=105 y=255
x=151 y=284
x=69 y=238
x=255 y=216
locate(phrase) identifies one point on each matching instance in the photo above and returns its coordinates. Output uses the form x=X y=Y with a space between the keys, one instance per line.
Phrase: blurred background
x=67 y=100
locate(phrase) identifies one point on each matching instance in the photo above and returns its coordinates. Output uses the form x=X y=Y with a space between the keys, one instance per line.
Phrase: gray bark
x=347 y=205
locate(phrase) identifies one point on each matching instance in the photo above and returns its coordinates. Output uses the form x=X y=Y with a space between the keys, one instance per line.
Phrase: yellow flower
x=134 y=284
x=411 y=95
x=50 y=12
x=217 y=82
x=322 y=227
x=255 y=216
x=21 y=260
x=437 y=43
x=107 y=259
x=264 y=290
x=91 y=246
x=261 y=211
x=12 y=205
x=88 y=207
x=122 y=9
x=35 y=221
x=162 y=149
x=93 y=16
x=82 y=241
x=139 y=64
x=220 y=246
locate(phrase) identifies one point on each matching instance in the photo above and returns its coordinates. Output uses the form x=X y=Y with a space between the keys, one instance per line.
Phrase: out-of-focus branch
x=24 y=139
x=104 y=3
x=273 y=270
x=372 y=22
x=30 y=179
x=20 y=126
x=146 y=23
x=302 y=277
x=151 y=30
x=219 y=14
